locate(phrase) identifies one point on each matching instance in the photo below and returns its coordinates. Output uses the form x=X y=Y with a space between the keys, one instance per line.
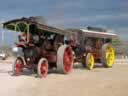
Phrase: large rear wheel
x=108 y=55
x=64 y=59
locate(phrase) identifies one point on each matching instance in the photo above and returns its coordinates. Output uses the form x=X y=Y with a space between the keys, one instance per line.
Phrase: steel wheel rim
x=110 y=56
x=68 y=60
x=44 y=68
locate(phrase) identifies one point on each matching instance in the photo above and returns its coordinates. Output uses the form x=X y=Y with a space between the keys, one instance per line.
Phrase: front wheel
x=90 y=61
x=42 y=68
x=18 y=66
x=108 y=55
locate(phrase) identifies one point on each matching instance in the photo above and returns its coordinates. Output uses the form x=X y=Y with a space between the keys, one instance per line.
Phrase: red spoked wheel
x=42 y=69
x=65 y=59
x=18 y=66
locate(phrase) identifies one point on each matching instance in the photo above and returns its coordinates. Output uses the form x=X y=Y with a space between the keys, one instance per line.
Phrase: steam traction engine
x=43 y=47
x=93 y=45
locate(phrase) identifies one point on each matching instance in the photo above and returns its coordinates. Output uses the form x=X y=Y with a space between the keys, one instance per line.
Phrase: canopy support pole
x=28 y=33
x=2 y=38
x=15 y=32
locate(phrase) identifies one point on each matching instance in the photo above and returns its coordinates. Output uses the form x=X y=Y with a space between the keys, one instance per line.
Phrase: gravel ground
x=81 y=82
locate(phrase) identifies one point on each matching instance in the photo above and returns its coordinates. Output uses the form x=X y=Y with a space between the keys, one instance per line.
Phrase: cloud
x=117 y=16
x=89 y=19
x=115 y=22
x=122 y=32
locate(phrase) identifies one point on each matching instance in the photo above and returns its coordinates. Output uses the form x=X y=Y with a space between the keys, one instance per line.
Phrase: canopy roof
x=23 y=25
x=93 y=33
x=108 y=34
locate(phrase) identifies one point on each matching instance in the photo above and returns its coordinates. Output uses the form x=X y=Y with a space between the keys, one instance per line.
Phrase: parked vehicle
x=43 y=47
x=3 y=55
x=93 y=45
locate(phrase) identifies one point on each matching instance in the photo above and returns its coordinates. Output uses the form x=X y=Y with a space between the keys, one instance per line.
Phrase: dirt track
x=81 y=82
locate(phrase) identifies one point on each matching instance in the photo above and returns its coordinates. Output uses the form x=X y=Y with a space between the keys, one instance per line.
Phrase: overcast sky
x=111 y=14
